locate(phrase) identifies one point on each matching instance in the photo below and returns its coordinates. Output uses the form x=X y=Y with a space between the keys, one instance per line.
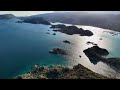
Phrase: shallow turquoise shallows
x=22 y=45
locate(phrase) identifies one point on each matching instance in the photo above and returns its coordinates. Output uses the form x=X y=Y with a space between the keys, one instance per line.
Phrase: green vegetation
x=60 y=72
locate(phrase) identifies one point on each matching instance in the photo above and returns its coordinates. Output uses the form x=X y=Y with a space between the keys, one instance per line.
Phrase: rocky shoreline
x=60 y=72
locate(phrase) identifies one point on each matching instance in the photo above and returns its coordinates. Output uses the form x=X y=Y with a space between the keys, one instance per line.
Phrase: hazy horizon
x=24 y=13
x=29 y=13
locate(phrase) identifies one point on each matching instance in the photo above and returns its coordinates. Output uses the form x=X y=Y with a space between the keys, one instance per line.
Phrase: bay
x=22 y=45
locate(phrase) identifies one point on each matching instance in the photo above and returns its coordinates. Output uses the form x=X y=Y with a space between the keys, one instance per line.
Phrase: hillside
x=7 y=16
x=59 y=72
x=36 y=20
x=107 y=21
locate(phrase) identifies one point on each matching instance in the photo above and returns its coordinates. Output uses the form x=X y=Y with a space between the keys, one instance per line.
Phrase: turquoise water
x=22 y=45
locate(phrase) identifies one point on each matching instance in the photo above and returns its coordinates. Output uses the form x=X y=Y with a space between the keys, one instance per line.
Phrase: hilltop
x=60 y=72
x=7 y=16
x=106 y=21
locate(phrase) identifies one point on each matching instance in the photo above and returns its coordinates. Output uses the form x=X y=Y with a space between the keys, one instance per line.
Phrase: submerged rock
x=58 y=51
x=47 y=33
x=54 y=33
x=91 y=43
x=19 y=22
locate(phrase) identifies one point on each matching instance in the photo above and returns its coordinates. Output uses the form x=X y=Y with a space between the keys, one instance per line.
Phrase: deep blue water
x=22 y=45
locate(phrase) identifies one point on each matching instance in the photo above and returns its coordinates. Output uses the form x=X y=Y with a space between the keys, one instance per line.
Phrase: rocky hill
x=7 y=16
x=35 y=20
x=60 y=72
x=107 y=21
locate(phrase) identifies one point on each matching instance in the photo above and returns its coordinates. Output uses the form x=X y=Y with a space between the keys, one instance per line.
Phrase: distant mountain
x=108 y=20
x=35 y=20
x=7 y=16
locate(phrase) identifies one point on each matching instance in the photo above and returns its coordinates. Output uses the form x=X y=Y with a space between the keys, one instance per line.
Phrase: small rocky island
x=66 y=41
x=60 y=72
x=91 y=43
x=54 y=33
x=71 y=30
x=101 y=39
x=58 y=51
x=36 y=20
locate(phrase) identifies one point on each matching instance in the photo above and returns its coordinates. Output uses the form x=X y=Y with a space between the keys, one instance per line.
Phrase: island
x=60 y=72
x=58 y=51
x=35 y=20
x=96 y=54
x=71 y=30
x=91 y=43
x=100 y=39
x=66 y=41
x=54 y=33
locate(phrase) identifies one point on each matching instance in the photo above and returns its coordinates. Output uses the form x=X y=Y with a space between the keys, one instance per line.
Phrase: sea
x=22 y=45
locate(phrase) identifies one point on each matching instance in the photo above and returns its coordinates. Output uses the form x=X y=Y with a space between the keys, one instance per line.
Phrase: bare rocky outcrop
x=71 y=30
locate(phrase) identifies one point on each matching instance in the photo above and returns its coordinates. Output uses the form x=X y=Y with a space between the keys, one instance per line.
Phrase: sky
x=29 y=13
x=104 y=12
x=24 y=13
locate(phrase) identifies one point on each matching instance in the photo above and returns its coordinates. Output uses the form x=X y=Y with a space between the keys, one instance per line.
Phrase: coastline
x=62 y=40
x=60 y=72
x=96 y=26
